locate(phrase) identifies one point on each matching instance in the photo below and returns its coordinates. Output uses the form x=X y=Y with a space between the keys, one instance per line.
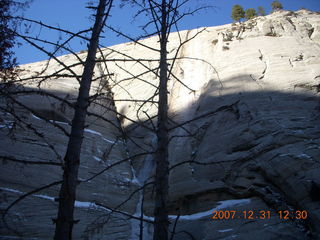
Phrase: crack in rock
x=265 y=63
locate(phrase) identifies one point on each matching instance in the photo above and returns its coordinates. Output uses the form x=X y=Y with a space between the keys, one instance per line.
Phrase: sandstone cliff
x=254 y=92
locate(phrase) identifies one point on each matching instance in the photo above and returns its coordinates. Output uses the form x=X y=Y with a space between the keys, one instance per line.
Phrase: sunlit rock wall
x=253 y=90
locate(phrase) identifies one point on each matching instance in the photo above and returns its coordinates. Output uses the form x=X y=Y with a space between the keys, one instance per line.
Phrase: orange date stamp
x=260 y=214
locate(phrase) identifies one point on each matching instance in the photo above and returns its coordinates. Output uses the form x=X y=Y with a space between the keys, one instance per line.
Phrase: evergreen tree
x=8 y=24
x=7 y=36
x=276 y=6
x=237 y=12
x=250 y=13
x=261 y=11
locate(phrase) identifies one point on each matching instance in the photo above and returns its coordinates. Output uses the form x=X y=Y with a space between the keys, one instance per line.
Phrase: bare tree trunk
x=162 y=165
x=67 y=195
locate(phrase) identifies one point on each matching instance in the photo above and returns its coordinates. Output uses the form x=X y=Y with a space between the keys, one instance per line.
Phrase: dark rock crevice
x=261 y=57
x=291 y=22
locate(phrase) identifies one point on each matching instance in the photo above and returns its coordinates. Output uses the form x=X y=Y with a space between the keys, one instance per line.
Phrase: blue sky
x=72 y=15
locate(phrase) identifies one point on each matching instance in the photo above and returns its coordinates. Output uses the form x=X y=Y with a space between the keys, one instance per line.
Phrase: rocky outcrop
x=244 y=108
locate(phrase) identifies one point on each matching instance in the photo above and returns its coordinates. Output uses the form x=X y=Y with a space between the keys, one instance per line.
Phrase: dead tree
x=11 y=88
x=162 y=164
x=15 y=88
x=67 y=195
x=165 y=15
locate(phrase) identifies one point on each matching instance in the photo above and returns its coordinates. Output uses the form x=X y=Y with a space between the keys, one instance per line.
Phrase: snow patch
x=303 y=155
x=98 y=134
x=64 y=123
x=11 y=190
x=232 y=237
x=90 y=205
x=44 y=197
x=78 y=204
x=7 y=124
x=19 y=192
x=97 y=159
x=298 y=131
x=125 y=179
x=84 y=204
x=222 y=205
x=225 y=230
x=16 y=237
x=284 y=155
x=34 y=116
x=52 y=121
x=92 y=132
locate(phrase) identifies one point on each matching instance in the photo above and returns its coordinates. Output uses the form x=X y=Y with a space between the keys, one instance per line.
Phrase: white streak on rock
x=97 y=159
x=44 y=197
x=98 y=134
x=225 y=230
x=52 y=121
x=11 y=190
x=16 y=237
x=303 y=155
x=222 y=205
x=34 y=116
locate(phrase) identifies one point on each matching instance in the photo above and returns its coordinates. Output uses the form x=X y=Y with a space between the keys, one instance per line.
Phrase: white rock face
x=256 y=84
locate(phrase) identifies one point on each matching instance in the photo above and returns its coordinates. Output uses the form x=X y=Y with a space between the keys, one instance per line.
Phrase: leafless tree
x=165 y=15
x=71 y=162
x=65 y=221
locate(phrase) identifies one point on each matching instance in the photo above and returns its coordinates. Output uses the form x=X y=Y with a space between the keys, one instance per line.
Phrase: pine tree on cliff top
x=276 y=6
x=237 y=13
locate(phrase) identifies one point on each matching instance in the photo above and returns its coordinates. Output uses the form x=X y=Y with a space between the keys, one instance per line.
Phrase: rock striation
x=245 y=135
